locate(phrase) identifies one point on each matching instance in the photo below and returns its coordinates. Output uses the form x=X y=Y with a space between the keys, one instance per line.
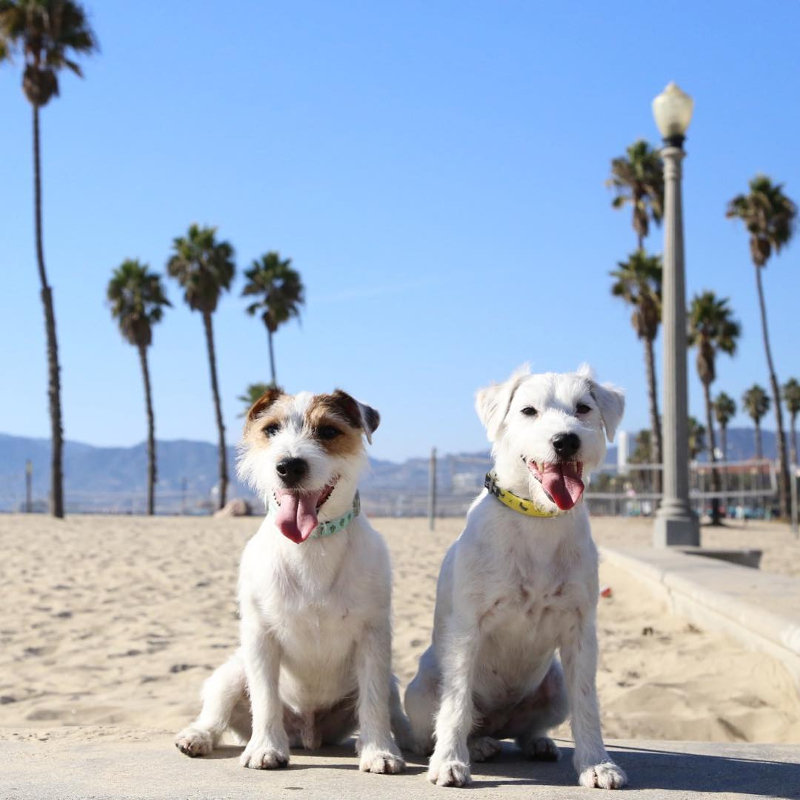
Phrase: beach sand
x=113 y=623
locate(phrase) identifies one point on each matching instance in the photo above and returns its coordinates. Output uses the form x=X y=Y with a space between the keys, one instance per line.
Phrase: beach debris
x=235 y=508
x=648 y=630
x=605 y=591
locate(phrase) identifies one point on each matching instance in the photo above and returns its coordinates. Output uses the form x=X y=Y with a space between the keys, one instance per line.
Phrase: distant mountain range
x=114 y=478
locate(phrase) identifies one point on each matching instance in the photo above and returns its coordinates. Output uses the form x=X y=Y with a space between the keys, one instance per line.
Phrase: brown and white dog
x=314 y=662
x=519 y=585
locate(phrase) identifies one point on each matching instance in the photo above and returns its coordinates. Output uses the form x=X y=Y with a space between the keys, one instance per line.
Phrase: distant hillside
x=742 y=443
x=113 y=478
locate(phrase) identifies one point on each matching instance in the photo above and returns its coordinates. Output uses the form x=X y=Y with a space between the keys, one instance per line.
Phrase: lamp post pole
x=675 y=522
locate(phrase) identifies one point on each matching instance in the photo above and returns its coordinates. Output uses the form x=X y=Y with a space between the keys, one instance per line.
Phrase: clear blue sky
x=434 y=170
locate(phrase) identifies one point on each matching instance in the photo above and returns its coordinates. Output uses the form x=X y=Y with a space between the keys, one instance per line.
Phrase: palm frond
x=202 y=266
x=279 y=288
x=44 y=32
x=724 y=409
x=137 y=300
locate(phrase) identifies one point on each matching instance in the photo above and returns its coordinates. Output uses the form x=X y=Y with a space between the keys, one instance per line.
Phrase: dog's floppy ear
x=357 y=414
x=609 y=398
x=263 y=403
x=493 y=402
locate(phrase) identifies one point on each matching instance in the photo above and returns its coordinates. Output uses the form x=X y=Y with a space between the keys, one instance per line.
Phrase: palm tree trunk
x=712 y=446
x=723 y=445
x=655 y=423
x=271 y=358
x=54 y=381
x=151 y=434
x=759 y=449
x=793 y=457
x=222 y=456
x=783 y=467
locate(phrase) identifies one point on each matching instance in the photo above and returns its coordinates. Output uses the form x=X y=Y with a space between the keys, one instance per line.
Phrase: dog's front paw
x=194 y=742
x=263 y=754
x=383 y=762
x=605 y=775
x=483 y=748
x=448 y=773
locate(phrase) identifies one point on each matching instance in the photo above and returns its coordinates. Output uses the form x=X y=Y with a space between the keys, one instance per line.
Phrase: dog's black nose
x=566 y=444
x=292 y=470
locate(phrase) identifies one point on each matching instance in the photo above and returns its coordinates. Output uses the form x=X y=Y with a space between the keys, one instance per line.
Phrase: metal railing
x=748 y=489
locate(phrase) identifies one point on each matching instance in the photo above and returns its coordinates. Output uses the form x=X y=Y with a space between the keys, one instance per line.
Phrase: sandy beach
x=113 y=623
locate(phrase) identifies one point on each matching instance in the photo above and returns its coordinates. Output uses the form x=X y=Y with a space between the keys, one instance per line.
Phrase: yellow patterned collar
x=518 y=504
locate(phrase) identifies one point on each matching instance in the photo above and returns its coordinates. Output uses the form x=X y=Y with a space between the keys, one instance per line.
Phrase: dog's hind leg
x=221 y=692
x=401 y=727
x=421 y=703
x=544 y=709
x=483 y=748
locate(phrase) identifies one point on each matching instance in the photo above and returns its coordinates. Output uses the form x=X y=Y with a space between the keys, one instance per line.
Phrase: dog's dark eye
x=529 y=411
x=271 y=429
x=582 y=408
x=327 y=432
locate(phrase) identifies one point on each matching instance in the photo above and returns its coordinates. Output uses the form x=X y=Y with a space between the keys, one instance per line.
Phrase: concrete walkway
x=759 y=609
x=152 y=769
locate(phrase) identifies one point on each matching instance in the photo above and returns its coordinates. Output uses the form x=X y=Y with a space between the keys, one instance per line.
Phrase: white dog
x=517 y=585
x=314 y=597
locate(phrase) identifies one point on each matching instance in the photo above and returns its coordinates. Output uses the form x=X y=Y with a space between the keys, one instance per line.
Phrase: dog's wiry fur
x=515 y=589
x=315 y=656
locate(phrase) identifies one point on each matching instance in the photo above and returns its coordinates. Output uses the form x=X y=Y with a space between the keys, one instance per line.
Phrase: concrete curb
x=761 y=610
x=150 y=768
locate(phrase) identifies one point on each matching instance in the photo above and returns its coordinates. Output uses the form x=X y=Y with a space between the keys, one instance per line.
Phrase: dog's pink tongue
x=563 y=483
x=297 y=515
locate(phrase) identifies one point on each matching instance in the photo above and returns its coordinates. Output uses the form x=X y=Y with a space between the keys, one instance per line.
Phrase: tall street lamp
x=675 y=522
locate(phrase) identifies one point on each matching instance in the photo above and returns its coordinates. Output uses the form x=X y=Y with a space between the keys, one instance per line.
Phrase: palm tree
x=769 y=216
x=712 y=330
x=791 y=396
x=642 y=453
x=697 y=438
x=137 y=302
x=46 y=33
x=724 y=411
x=641 y=447
x=638 y=179
x=638 y=283
x=204 y=268
x=253 y=392
x=281 y=294
x=756 y=403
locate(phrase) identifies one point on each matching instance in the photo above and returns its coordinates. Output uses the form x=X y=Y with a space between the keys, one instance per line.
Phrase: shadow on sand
x=650 y=768
x=647 y=768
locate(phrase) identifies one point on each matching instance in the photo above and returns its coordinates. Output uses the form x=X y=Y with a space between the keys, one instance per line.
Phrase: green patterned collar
x=335 y=525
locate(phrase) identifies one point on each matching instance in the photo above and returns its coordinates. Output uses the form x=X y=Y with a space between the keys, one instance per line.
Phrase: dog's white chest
x=534 y=607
